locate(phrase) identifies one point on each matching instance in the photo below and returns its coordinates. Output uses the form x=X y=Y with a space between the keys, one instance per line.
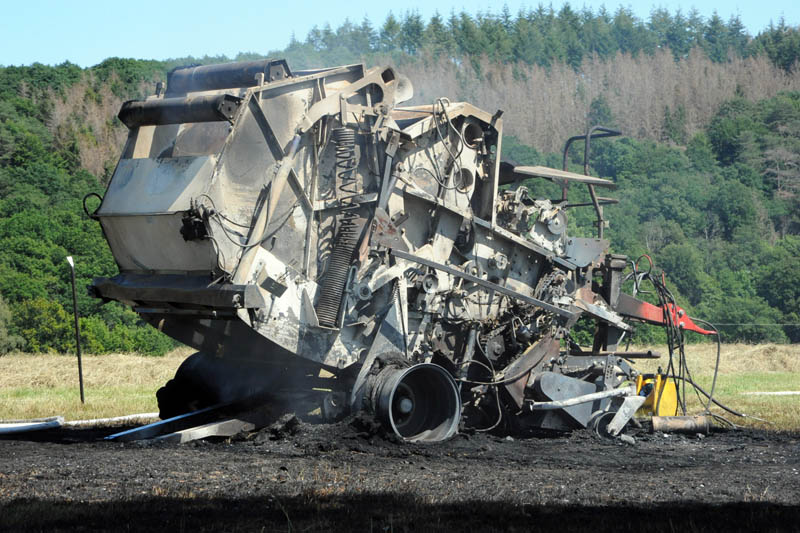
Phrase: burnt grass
x=296 y=476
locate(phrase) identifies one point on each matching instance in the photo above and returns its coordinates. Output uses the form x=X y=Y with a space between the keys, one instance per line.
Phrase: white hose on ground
x=95 y=422
x=36 y=424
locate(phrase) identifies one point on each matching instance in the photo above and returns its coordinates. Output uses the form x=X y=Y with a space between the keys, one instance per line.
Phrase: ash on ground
x=351 y=475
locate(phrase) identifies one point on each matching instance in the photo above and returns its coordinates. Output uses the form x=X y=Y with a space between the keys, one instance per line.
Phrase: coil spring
x=348 y=230
x=345 y=140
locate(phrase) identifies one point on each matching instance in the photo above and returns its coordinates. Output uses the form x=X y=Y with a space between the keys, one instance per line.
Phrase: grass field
x=744 y=368
x=34 y=386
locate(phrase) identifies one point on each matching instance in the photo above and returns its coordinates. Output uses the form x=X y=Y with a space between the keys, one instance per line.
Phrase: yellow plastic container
x=662 y=399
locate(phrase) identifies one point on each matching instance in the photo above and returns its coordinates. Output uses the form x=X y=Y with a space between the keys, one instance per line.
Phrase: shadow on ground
x=381 y=512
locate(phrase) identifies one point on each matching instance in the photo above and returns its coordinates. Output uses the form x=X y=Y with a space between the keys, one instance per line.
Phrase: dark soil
x=294 y=476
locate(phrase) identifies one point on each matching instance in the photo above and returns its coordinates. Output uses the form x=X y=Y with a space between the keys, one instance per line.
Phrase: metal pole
x=77 y=330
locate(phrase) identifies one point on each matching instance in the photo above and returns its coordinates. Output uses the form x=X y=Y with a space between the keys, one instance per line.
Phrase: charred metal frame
x=597 y=201
x=331 y=229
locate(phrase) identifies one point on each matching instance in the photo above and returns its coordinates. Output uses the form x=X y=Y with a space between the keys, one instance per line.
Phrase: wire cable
x=455 y=157
x=490 y=368
x=676 y=345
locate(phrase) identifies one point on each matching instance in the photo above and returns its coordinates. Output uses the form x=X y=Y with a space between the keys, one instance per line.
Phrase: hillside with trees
x=708 y=169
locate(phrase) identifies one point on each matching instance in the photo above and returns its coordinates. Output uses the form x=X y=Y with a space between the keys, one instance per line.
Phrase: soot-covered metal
x=316 y=241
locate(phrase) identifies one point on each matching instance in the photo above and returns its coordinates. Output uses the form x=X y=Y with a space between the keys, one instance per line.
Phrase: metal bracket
x=608 y=371
x=337 y=102
x=630 y=404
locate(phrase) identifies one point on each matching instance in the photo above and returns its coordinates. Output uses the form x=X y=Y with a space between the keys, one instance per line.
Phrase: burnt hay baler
x=319 y=244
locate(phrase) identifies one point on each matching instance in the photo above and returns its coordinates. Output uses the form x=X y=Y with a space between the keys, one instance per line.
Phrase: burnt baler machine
x=319 y=244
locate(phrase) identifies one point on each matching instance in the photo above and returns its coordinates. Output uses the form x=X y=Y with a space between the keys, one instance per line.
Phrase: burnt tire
x=184 y=393
x=174 y=399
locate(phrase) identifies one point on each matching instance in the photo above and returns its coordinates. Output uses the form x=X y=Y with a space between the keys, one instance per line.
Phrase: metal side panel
x=154 y=242
x=141 y=186
x=550 y=386
x=288 y=316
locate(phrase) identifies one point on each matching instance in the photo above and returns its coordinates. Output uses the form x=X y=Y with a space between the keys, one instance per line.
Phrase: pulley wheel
x=420 y=403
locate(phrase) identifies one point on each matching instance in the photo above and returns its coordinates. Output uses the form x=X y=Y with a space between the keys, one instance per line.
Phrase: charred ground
x=349 y=476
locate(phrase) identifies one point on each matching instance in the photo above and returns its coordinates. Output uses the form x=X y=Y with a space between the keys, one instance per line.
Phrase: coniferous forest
x=708 y=168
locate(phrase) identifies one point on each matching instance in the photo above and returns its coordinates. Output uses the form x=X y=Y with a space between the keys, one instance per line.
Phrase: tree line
x=544 y=36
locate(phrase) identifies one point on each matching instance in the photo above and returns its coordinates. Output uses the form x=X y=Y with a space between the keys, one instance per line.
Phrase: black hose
x=718 y=403
x=93 y=214
x=716 y=364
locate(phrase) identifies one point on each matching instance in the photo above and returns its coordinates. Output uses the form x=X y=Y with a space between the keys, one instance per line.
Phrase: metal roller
x=225 y=76
x=420 y=403
x=216 y=108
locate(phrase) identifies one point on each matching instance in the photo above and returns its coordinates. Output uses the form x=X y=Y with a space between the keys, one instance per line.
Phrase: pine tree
x=390 y=33
x=715 y=39
x=437 y=38
x=412 y=32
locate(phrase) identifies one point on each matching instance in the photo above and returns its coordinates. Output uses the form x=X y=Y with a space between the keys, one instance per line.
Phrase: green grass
x=36 y=386
x=29 y=402
x=755 y=382
x=780 y=412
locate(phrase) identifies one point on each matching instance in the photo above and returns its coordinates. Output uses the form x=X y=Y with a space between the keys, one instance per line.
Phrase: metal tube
x=77 y=329
x=598 y=209
x=469 y=351
x=312 y=196
x=605 y=132
x=225 y=76
x=36 y=424
x=682 y=424
x=186 y=110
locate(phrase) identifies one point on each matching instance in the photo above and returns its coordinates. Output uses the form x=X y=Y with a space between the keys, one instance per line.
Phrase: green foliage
x=735 y=207
x=700 y=153
x=38 y=79
x=709 y=216
x=726 y=128
x=8 y=341
x=684 y=264
x=778 y=282
x=748 y=316
x=758 y=144
x=44 y=325
x=125 y=75
x=675 y=125
x=519 y=153
x=600 y=113
x=42 y=221
x=701 y=228
x=98 y=337
x=535 y=36
x=781 y=43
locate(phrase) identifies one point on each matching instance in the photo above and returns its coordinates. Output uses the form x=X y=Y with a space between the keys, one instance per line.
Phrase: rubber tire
x=184 y=393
